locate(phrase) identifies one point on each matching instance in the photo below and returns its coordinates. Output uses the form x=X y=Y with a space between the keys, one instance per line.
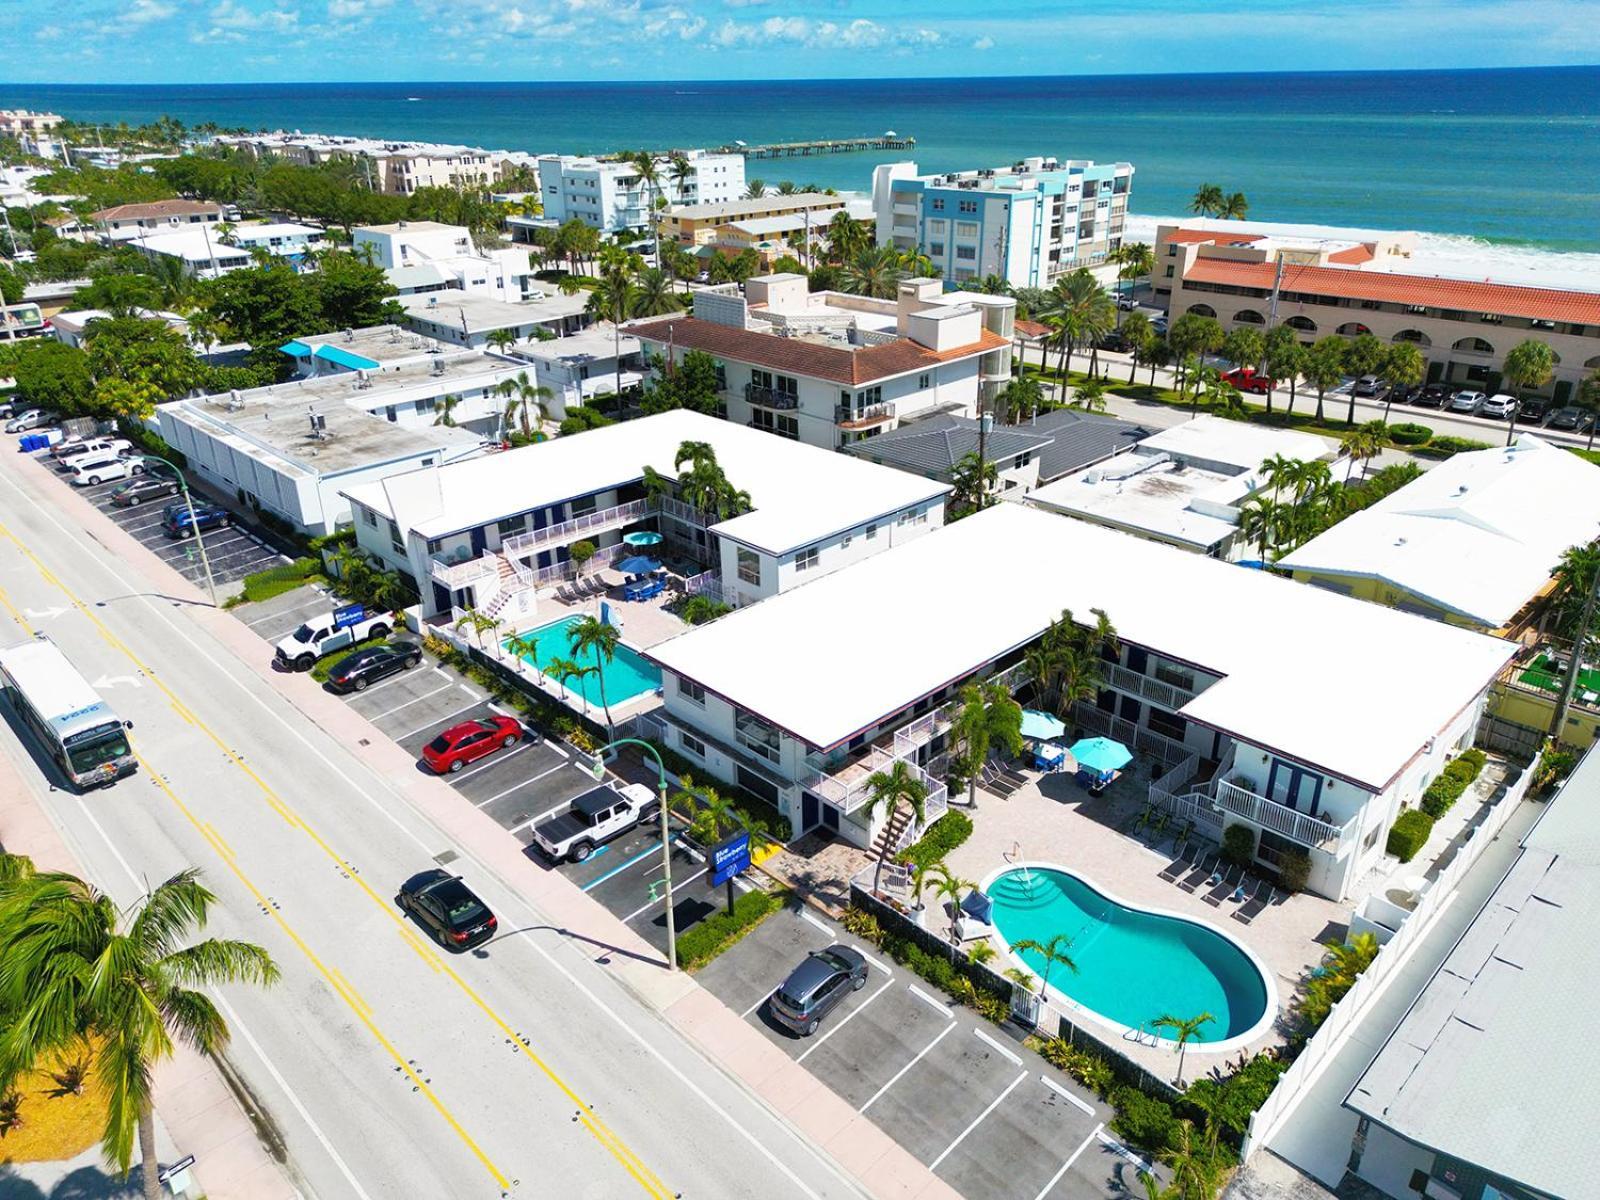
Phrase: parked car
x=1570 y=417
x=69 y=452
x=1405 y=394
x=359 y=671
x=1370 y=385
x=593 y=819
x=175 y=519
x=1498 y=407
x=30 y=418
x=1532 y=410
x=448 y=908
x=1127 y=303
x=1116 y=341
x=1248 y=379
x=146 y=487
x=469 y=741
x=321 y=635
x=816 y=986
x=1466 y=401
x=1159 y=324
x=90 y=469
x=1435 y=395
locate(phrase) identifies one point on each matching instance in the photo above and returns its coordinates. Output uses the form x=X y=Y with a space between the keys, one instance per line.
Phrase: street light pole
x=985 y=423
x=194 y=525
x=598 y=770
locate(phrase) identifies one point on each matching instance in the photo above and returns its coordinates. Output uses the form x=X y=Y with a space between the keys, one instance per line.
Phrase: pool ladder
x=1014 y=855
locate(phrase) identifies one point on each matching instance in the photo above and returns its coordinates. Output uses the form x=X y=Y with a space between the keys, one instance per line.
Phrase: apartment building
x=17 y=122
x=1178 y=246
x=396 y=168
x=470 y=319
x=126 y=221
x=580 y=366
x=830 y=369
x=206 y=254
x=610 y=195
x=487 y=534
x=1464 y=328
x=1028 y=223
x=424 y=256
x=1258 y=721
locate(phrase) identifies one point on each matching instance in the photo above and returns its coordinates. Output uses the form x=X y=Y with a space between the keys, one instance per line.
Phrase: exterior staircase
x=509 y=585
x=893 y=833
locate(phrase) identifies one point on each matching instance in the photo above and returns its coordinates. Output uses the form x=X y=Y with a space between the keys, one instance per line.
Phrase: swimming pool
x=627 y=674
x=1134 y=964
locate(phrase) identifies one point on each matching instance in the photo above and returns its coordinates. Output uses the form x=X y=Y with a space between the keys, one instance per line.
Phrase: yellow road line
x=630 y=1161
x=16 y=613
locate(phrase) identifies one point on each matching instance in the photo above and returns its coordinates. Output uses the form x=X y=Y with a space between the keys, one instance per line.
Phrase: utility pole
x=1277 y=286
x=985 y=423
x=1580 y=639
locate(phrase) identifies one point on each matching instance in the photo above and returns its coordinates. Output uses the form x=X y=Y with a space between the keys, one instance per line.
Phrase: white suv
x=1499 y=406
x=90 y=469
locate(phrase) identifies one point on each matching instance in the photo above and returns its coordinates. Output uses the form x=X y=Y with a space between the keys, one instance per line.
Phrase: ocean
x=1506 y=157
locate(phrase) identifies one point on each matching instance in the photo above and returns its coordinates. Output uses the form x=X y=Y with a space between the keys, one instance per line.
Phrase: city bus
x=74 y=726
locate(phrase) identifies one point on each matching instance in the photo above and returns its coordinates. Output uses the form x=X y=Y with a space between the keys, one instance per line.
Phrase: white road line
x=494 y=760
x=997 y=1047
x=1122 y=1151
x=872 y=962
x=938 y=1006
x=895 y=1078
x=511 y=895
x=676 y=888
x=496 y=708
x=848 y=1017
x=1067 y=1166
x=1064 y=1094
x=142 y=884
x=809 y=919
x=518 y=787
x=400 y=737
x=758 y=1003
x=470 y=692
x=443 y=674
x=962 y=1136
x=390 y=711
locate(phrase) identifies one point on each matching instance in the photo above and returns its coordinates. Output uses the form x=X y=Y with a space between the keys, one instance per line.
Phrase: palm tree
x=1365 y=355
x=1184 y=1029
x=502 y=339
x=1366 y=442
x=681 y=170
x=77 y=971
x=1234 y=207
x=847 y=237
x=644 y=163
x=1194 y=1167
x=478 y=622
x=948 y=886
x=1285 y=360
x=562 y=669
x=653 y=295
x=1259 y=518
x=1404 y=366
x=754 y=189
x=887 y=790
x=1156 y=353
x=1090 y=395
x=973 y=479
x=1589 y=398
x=988 y=715
x=1136 y=328
x=1134 y=261
x=1081 y=312
x=875 y=271
x=1054 y=953
x=599 y=638
x=1528 y=365
x=713 y=814
x=520 y=646
x=1244 y=346
x=1324 y=366
x=1208 y=200
x=612 y=300
x=923 y=874
x=447 y=405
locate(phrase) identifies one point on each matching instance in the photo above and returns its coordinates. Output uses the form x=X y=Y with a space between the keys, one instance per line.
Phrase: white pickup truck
x=327 y=632
x=593 y=819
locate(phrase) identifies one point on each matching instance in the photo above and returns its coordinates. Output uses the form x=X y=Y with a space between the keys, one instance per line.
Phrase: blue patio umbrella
x=637 y=564
x=1040 y=726
x=1101 y=755
x=643 y=537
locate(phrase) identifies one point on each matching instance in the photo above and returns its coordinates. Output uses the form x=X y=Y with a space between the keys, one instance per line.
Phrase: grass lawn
x=1540 y=675
x=324 y=666
x=54 y=1127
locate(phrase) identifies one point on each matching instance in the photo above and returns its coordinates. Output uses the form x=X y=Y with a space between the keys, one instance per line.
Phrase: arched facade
x=1303 y=324
x=1353 y=329
x=1474 y=345
x=1248 y=316
x=1202 y=310
x=1415 y=336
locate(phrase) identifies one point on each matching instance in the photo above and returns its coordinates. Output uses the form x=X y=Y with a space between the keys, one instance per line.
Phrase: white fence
x=707 y=583
x=1314 y=1056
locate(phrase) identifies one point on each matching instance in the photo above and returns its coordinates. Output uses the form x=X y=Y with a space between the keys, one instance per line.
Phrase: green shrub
x=581 y=417
x=1408 y=434
x=1409 y=833
x=703 y=942
x=324 y=666
x=943 y=836
x=1442 y=793
x=336 y=540
x=1294 y=868
x=1143 y=1120
x=697 y=610
x=1239 y=845
x=1476 y=758
x=1445 y=445
x=285 y=577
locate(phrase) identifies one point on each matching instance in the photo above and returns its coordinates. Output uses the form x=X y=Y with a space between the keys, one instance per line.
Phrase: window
x=936 y=249
x=968 y=206
x=806 y=559
x=692 y=744
x=398 y=542
x=1371 y=840
x=966 y=253
x=691 y=691
x=967 y=229
x=370 y=517
x=1169 y=724
x=512 y=525
x=914 y=516
x=1174 y=677
x=749 y=566
x=938 y=204
x=761 y=378
x=844 y=542
x=872 y=533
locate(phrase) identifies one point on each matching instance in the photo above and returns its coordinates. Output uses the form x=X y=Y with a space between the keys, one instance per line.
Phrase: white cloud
x=350 y=10
x=685 y=25
x=984 y=43
x=860 y=34
x=145 y=11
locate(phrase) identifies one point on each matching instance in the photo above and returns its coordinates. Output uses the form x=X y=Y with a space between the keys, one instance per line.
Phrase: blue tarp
x=344 y=358
x=297 y=349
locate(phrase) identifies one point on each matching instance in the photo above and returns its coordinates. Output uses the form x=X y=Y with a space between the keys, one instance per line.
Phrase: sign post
x=350 y=614
x=730 y=858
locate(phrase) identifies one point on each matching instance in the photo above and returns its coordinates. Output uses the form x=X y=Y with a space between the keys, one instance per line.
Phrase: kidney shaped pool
x=1134 y=965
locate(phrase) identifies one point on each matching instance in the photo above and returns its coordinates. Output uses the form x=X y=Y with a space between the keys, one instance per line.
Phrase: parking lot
x=987 y=1116
x=234 y=551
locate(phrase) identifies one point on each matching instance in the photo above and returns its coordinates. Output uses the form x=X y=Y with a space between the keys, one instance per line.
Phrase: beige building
x=693 y=225
x=16 y=122
x=1177 y=247
x=126 y=221
x=1463 y=328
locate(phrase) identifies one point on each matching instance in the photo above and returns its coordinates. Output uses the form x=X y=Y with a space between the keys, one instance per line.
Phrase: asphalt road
x=391 y=1067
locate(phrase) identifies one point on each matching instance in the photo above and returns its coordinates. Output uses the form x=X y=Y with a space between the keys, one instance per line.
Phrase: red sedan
x=470 y=741
x=1247 y=379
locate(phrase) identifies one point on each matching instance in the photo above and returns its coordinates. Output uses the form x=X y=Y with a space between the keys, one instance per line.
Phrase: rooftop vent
x=349 y=335
x=363 y=380
x=319 y=424
x=438 y=366
x=235 y=401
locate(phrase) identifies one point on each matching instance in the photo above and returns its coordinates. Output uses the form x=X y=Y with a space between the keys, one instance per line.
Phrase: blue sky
x=183 y=41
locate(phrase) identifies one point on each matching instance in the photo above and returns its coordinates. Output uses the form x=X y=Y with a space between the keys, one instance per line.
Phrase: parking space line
x=475 y=697
x=937 y=1005
x=1067 y=1166
x=620 y=868
x=675 y=890
x=895 y=1078
x=1064 y=1094
x=997 y=1047
x=872 y=962
x=518 y=787
x=436 y=721
x=840 y=1024
x=978 y=1120
x=1121 y=1151
x=805 y=916
x=758 y=1003
x=391 y=711
x=494 y=761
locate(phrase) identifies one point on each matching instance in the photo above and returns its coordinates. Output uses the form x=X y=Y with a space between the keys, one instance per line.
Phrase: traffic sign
x=731 y=858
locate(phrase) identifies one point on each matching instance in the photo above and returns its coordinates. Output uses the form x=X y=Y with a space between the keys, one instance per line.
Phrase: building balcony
x=1314 y=833
x=1168 y=696
x=551 y=536
x=765 y=397
x=865 y=417
x=455 y=575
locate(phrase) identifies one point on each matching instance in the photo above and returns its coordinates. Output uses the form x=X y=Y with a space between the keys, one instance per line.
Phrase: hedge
x=1409 y=834
x=274 y=581
x=943 y=836
x=1445 y=445
x=1239 y=845
x=1450 y=783
x=699 y=944
x=1407 y=433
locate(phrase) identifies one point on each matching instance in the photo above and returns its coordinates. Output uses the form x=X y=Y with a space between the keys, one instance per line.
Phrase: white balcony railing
x=1165 y=694
x=462 y=574
x=1311 y=832
x=536 y=540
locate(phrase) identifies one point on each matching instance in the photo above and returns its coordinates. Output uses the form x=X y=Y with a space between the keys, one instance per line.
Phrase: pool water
x=1133 y=965
x=627 y=674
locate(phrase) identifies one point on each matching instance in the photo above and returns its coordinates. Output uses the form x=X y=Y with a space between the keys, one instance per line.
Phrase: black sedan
x=356 y=672
x=816 y=986
x=1432 y=396
x=449 y=909
x=1571 y=418
x=147 y=487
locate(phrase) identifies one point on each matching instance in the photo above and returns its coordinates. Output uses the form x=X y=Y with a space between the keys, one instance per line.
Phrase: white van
x=90 y=469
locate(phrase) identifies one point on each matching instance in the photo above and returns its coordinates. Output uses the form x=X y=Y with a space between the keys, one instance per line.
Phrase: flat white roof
x=272 y=229
x=597 y=343
x=801 y=493
x=1154 y=494
x=1293 y=659
x=1219 y=440
x=482 y=312
x=198 y=243
x=1478 y=535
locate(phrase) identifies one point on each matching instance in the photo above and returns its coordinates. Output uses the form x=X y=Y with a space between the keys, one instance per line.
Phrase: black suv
x=175 y=519
x=1432 y=396
x=355 y=672
x=449 y=908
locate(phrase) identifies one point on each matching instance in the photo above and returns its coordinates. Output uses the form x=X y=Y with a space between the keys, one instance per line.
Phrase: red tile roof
x=1221 y=237
x=1032 y=329
x=1353 y=256
x=158 y=208
x=1501 y=299
x=852 y=367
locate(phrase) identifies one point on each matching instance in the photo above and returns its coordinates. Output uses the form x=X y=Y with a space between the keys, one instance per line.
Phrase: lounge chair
x=1178 y=866
x=1253 y=907
x=976 y=917
x=1220 y=889
x=1195 y=878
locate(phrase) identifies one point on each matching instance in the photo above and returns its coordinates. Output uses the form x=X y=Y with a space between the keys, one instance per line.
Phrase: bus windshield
x=86 y=756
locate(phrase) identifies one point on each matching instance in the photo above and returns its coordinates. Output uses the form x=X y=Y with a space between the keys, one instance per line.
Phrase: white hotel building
x=830 y=369
x=1245 y=686
x=608 y=193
